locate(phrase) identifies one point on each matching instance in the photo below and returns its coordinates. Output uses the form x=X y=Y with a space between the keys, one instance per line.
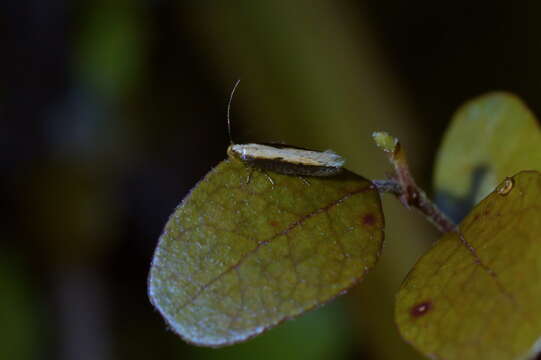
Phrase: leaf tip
x=385 y=141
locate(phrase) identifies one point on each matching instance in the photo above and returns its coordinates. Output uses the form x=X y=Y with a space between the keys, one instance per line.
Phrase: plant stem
x=403 y=186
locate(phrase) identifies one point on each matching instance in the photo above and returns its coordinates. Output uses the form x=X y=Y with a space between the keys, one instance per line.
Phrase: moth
x=283 y=159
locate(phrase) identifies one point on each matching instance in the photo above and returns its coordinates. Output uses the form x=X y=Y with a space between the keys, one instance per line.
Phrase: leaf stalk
x=402 y=184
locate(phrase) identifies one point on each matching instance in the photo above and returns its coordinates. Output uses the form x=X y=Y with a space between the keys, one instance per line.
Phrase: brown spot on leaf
x=506 y=186
x=369 y=219
x=421 y=309
x=274 y=223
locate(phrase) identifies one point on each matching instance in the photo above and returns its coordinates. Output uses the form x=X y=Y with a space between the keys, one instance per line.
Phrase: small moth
x=283 y=159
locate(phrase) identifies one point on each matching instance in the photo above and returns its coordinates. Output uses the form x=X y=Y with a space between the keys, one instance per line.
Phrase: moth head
x=233 y=152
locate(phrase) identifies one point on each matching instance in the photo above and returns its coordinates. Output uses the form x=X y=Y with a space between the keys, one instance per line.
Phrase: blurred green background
x=112 y=110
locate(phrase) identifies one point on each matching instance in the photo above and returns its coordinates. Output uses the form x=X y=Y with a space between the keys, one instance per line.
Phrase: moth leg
x=305 y=180
x=249 y=177
x=268 y=178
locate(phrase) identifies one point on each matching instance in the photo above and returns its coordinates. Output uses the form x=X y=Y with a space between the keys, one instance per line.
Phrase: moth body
x=287 y=160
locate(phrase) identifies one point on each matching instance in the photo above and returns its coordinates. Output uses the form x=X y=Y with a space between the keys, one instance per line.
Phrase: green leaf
x=490 y=137
x=239 y=257
x=476 y=294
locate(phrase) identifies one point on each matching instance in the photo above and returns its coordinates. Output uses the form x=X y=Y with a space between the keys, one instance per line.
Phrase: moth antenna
x=229 y=110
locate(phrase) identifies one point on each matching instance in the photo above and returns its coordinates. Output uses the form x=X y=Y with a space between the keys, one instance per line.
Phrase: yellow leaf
x=490 y=137
x=476 y=294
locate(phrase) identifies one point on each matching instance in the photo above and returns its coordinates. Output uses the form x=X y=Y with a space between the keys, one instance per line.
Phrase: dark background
x=110 y=111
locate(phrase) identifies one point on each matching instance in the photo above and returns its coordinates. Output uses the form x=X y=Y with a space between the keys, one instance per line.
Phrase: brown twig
x=402 y=185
